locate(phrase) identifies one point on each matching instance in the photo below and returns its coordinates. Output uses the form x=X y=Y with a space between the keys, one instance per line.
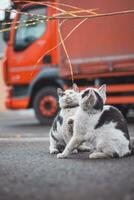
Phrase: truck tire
x=45 y=105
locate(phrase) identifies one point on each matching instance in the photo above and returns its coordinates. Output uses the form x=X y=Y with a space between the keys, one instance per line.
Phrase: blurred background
x=3 y=5
x=104 y=57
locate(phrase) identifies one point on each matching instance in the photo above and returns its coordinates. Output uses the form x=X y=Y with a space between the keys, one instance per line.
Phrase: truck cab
x=32 y=79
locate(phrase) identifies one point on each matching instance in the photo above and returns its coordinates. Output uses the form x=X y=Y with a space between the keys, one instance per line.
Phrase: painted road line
x=37 y=139
x=26 y=139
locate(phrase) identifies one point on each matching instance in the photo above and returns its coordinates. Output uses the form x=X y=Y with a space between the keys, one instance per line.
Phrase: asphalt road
x=29 y=172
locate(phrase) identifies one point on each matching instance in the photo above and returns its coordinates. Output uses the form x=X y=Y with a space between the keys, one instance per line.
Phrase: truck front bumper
x=17 y=103
x=17 y=97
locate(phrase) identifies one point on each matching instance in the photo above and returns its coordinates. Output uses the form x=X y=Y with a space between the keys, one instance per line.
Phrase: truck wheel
x=46 y=105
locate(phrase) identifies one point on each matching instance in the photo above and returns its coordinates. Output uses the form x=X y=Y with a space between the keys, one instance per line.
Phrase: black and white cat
x=103 y=126
x=61 y=133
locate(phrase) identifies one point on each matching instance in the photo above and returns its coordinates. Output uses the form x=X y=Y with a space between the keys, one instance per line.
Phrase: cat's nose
x=68 y=100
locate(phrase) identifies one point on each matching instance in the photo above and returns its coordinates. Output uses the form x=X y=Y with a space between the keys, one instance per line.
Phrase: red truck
x=101 y=51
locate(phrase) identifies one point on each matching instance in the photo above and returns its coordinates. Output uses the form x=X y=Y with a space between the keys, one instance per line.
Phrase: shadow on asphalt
x=84 y=156
x=28 y=125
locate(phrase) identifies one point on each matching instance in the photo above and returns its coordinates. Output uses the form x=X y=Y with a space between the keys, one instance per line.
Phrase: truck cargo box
x=100 y=45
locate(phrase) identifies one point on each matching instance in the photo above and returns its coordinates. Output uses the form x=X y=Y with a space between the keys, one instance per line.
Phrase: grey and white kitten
x=61 y=133
x=103 y=126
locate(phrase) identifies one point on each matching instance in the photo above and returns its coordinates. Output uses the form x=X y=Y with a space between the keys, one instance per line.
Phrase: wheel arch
x=48 y=77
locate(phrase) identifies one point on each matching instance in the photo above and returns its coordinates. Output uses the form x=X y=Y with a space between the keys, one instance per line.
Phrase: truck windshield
x=30 y=29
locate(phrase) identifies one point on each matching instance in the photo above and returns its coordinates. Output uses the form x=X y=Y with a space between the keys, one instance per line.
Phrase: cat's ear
x=75 y=87
x=60 y=91
x=88 y=96
x=102 y=92
x=92 y=97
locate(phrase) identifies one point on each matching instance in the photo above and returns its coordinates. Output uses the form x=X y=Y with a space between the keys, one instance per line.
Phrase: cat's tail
x=132 y=146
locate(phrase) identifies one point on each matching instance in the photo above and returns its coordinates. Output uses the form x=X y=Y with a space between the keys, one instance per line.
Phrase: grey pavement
x=29 y=172
x=22 y=124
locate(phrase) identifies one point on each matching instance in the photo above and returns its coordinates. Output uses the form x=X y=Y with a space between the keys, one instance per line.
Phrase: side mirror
x=6 y=36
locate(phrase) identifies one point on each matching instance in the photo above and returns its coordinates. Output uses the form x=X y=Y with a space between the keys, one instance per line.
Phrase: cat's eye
x=62 y=94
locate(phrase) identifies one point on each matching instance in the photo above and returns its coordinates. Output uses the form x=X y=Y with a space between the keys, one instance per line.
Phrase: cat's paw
x=93 y=156
x=54 y=151
x=97 y=155
x=75 y=151
x=61 y=155
x=84 y=148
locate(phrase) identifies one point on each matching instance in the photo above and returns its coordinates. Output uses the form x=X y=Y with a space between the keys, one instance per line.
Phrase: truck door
x=28 y=42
